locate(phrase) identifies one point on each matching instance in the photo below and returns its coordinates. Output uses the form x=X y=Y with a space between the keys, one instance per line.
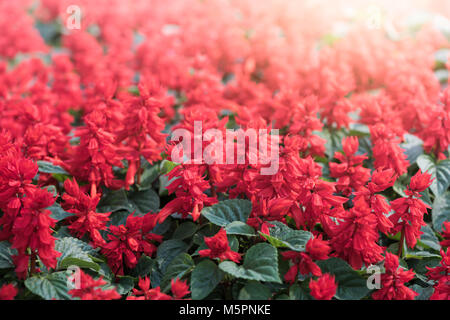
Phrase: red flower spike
x=393 y=281
x=219 y=248
x=324 y=288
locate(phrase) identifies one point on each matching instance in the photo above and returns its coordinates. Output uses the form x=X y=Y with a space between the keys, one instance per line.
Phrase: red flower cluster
x=324 y=288
x=316 y=249
x=8 y=292
x=219 y=248
x=441 y=276
x=91 y=289
x=393 y=281
x=179 y=290
x=26 y=222
x=127 y=242
x=409 y=212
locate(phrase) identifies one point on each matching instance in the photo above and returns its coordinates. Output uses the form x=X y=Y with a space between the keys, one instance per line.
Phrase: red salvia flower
x=127 y=243
x=355 y=237
x=441 y=275
x=316 y=249
x=86 y=219
x=188 y=185
x=324 y=288
x=408 y=216
x=380 y=181
x=350 y=172
x=446 y=234
x=386 y=150
x=145 y=293
x=219 y=248
x=393 y=281
x=90 y=289
x=32 y=230
x=180 y=288
x=8 y=292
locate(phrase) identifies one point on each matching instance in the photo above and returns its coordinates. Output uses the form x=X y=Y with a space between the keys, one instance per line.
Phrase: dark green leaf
x=185 y=230
x=351 y=286
x=6 y=254
x=148 y=177
x=75 y=252
x=58 y=213
x=143 y=268
x=114 y=201
x=239 y=228
x=48 y=167
x=168 y=250
x=281 y=236
x=297 y=292
x=144 y=201
x=254 y=291
x=428 y=239
x=124 y=285
x=50 y=286
x=260 y=264
x=178 y=268
x=439 y=171
x=228 y=211
x=205 y=277
x=413 y=147
x=441 y=211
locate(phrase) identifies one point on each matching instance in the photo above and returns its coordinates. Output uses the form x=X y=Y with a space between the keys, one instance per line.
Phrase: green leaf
x=439 y=171
x=424 y=293
x=114 y=201
x=428 y=239
x=178 y=268
x=143 y=268
x=70 y=261
x=254 y=291
x=333 y=140
x=413 y=147
x=420 y=265
x=144 y=201
x=168 y=250
x=240 y=228
x=205 y=277
x=185 y=230
x=297 y=292
x=125 y=284
x=440 y=211
x=6 y=254
x=167 y=166
x=148 y=177
x=400 y=185
x=260 y=264
x=228 y=211
x=58 y=213
x=75 y=252
x=48 y=167
x=351 y=285
x=416 y=254
x=281 y=236
x=50 y=286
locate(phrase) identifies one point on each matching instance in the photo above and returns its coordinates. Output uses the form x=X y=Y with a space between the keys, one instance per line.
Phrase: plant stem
x=139 y=173
x=402 y=240
x=32 y=263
